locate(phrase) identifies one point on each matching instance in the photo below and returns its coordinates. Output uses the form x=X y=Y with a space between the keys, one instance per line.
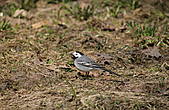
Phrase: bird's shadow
x=84 y=76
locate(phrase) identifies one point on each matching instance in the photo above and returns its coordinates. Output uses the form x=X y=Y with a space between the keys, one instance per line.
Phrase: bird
x=86 y=64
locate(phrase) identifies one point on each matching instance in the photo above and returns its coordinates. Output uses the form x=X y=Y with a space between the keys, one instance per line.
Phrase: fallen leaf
x=20 y=12
x=152 y=51
x=39 y=24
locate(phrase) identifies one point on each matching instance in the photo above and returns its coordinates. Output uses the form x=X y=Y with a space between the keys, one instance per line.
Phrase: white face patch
x=76 y=54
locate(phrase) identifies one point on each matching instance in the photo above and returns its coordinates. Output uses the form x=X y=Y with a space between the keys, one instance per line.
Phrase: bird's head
x=77 y=54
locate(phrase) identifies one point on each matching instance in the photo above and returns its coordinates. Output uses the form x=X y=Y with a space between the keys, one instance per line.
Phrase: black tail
x=110 y=71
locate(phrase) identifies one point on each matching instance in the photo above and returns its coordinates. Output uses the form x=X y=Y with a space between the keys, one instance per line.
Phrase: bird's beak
x=72 y=56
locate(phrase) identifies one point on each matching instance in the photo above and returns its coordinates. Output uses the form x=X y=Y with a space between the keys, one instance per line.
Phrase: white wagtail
x=86 y=64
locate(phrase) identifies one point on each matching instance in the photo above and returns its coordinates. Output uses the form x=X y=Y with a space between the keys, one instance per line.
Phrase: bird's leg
x=87 y=74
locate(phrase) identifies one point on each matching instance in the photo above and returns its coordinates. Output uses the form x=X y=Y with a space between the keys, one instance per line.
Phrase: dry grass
x=37 y=72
